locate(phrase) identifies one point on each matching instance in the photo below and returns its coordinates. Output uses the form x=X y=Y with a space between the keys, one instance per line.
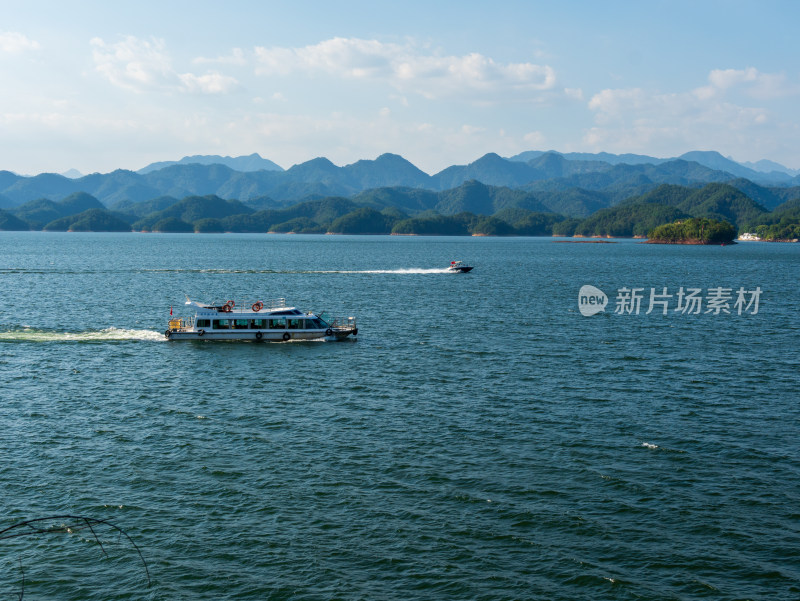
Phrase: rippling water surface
x=480 y=440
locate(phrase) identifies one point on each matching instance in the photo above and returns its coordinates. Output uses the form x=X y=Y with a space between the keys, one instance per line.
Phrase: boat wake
x=227 y=271
x=406 y=271
x=411 y=271
x=107 y=335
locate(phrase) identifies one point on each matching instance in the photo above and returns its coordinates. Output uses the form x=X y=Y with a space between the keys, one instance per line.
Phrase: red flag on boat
x=170 y=309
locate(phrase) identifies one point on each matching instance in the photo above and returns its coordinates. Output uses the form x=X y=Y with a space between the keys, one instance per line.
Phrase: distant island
x=533 y=194
x=693 y=231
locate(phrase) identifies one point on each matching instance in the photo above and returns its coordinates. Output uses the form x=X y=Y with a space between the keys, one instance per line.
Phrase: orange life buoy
x=257 y=306
x=231 y=304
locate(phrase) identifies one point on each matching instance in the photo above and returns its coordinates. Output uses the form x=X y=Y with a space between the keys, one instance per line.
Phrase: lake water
x=480 y=440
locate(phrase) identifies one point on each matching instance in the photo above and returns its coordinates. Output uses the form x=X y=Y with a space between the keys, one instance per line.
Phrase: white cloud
x=608 y=103
x=574 y=93
x=64 y=122
x=640 y=108
x=750 y=81
x=13 y=42
x=471 y=129
x=534 y=139
x=725 y=78
x=338 y=56
x=236 y=57
x=408 y=68
x=210 y=83
x=631 y=120
x=144 y=66
x=134 y=64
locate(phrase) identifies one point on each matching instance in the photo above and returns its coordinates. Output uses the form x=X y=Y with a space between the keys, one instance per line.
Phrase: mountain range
x=252 y=162
x=471 y=209
x=591 y=181
x=535 y=193
x=763 y=170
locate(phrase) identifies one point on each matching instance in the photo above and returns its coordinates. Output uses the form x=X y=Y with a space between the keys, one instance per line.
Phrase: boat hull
x=265 y=336
x=461 y=269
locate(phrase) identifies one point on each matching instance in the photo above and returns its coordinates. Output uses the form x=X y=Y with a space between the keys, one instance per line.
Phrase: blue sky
x=98 y=86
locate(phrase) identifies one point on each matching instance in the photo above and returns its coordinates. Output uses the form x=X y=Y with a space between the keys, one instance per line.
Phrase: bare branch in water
x=74 y=523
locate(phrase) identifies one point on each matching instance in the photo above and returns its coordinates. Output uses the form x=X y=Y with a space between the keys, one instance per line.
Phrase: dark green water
x=481 y=440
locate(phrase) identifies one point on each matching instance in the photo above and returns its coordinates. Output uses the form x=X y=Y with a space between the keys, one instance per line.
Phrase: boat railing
x=342 y=323
x=250 y=305
x=181 y=324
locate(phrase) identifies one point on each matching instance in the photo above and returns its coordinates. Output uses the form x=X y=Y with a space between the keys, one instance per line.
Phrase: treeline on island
x=694 y=231
x=472 y=208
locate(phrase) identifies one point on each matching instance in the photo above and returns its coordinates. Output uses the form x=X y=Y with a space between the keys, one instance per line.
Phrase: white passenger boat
x=270 y=320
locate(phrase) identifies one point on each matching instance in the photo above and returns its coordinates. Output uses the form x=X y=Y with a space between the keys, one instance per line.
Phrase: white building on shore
x=748 y=236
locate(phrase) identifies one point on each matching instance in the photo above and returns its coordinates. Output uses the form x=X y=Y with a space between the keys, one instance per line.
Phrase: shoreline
x=555 y=237
x=688 y=242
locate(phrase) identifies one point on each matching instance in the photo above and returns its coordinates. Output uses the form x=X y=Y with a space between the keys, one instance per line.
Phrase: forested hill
x=470 y=209
x=573 y=186
x=638 y=215
x=541 y=193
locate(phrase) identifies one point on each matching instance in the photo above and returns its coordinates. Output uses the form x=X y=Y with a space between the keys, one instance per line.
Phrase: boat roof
x=245 y=307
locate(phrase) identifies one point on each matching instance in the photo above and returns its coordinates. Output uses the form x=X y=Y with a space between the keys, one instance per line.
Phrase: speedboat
x=459 y=266
x=270 y=320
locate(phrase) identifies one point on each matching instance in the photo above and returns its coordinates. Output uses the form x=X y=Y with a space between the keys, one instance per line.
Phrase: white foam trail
x=649 y=445
x=401 y=271
x=278 y=271
x=107 y=335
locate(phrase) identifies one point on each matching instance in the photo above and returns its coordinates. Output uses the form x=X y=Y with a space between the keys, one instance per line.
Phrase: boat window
x=241 y=324
x=222 y=324
x=258 y=324
x=294 y=324
x=203 y=323
x=277 y=323
x=314 y=324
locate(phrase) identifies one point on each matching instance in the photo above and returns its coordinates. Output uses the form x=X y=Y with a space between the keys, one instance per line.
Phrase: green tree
x=173 y=225
x=698 y=229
